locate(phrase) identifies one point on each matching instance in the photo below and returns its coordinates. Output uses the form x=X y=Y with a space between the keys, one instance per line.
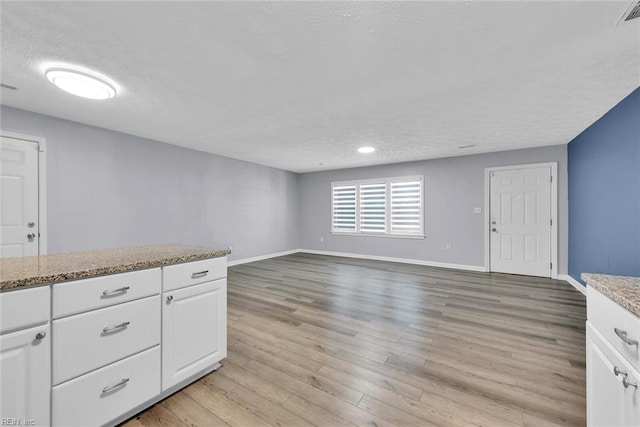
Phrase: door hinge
x=551 y=222
x=550 y=178
x=550 y=266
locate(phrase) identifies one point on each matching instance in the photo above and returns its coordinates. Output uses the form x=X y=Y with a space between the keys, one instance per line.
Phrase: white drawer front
x=88 y=294
x=615 y=324
x=88 y=341
x=82 y=401
x=191 y=273
x=24 y=307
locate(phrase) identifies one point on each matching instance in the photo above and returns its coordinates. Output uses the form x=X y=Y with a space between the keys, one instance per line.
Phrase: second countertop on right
x=624 y=290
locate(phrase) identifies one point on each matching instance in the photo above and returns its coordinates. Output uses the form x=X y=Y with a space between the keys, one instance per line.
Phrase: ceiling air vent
x=632 y=12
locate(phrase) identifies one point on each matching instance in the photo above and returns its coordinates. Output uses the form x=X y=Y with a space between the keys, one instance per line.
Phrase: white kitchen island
x=92 y=338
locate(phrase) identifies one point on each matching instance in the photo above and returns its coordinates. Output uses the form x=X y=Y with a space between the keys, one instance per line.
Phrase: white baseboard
x=401 y=260
x=573 y=282
x=261 y=257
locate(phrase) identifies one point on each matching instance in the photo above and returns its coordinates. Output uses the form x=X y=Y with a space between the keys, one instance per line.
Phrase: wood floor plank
x=256 y=384
x=227 y=410
x=330 y=341
x=314 y=413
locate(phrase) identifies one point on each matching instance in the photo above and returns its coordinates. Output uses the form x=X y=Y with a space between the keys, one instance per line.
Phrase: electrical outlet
x=448 y=247
x=230 y=248
x=477 y=210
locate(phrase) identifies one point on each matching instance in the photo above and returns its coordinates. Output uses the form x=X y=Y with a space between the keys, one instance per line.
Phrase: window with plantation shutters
x=343 y=201
x=383 y=207
x=373 y=206
x=406 y=207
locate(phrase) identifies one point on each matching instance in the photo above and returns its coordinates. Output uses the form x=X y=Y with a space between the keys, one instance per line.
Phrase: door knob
x=31 y=236
x=494 y=230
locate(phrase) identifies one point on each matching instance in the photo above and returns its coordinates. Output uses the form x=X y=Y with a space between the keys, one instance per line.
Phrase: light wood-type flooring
x=328 y=341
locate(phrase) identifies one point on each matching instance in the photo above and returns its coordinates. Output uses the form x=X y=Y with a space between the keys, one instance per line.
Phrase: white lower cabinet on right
x=194 y=330
x=613 y=385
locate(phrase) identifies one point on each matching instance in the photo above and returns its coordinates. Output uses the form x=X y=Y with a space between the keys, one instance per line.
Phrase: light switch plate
x=477 y=210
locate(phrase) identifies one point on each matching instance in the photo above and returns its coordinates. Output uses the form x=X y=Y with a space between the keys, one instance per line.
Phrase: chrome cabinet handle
x=617 y=371
x=199 y=274
x=622 y=334
x=41 y=335
x=108 y=329
x=116 y=291
x=122 y=382
x=627 y=384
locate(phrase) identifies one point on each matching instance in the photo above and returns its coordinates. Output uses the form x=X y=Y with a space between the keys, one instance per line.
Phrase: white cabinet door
x=25 y=369
x=609 y=401
x=194 y=330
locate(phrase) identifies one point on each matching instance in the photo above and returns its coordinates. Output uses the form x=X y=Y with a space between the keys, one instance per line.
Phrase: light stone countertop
x=46 y=269
x=623 y=290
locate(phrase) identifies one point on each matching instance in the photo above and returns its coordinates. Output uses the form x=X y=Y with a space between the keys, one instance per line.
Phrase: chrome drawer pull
x=116 y=291
x=122 y=382
x=108 y=329
x=627 y=384
x=617 y=371
x=623 y=336
x=199 y=274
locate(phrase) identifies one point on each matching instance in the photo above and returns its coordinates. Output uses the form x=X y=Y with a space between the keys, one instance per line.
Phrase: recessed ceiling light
x=82 y=83
x=366 y=150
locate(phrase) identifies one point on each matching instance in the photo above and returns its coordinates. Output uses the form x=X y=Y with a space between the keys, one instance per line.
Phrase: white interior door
x=19 y=228
x=520 y=221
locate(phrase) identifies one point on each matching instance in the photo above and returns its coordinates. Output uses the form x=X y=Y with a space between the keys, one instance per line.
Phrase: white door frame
x=554 y=211
x=42 y=184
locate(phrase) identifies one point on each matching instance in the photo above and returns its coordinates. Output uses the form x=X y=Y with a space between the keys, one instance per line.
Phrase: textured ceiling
x=301 y=85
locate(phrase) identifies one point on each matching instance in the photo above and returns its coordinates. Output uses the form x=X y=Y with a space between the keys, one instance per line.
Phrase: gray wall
x=109 y=189
x=453 y=187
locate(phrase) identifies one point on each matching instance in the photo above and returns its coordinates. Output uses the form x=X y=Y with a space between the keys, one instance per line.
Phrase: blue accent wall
x=604 y=194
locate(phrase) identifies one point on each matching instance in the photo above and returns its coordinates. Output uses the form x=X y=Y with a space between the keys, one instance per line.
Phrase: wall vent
x=632 y=12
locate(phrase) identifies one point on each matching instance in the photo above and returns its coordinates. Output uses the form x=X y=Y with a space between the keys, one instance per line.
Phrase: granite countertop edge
x=623 y=290
x=90 y=272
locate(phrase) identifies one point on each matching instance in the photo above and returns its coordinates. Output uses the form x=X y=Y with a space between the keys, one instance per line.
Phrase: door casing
x=42 y=184
x=554 y=211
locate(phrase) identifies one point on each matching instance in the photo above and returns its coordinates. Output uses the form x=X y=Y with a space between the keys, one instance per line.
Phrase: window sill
x=396 y=236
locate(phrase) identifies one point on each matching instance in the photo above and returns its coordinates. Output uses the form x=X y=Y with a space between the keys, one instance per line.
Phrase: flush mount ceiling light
x=84 y=83
x=366 y=150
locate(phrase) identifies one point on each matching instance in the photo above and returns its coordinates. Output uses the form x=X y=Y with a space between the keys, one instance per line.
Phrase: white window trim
x=387 y=233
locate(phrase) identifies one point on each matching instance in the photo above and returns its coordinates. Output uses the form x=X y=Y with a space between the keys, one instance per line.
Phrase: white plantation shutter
x=391 y=206
x=343 y=202
x=406 y=207
x=373 y=206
